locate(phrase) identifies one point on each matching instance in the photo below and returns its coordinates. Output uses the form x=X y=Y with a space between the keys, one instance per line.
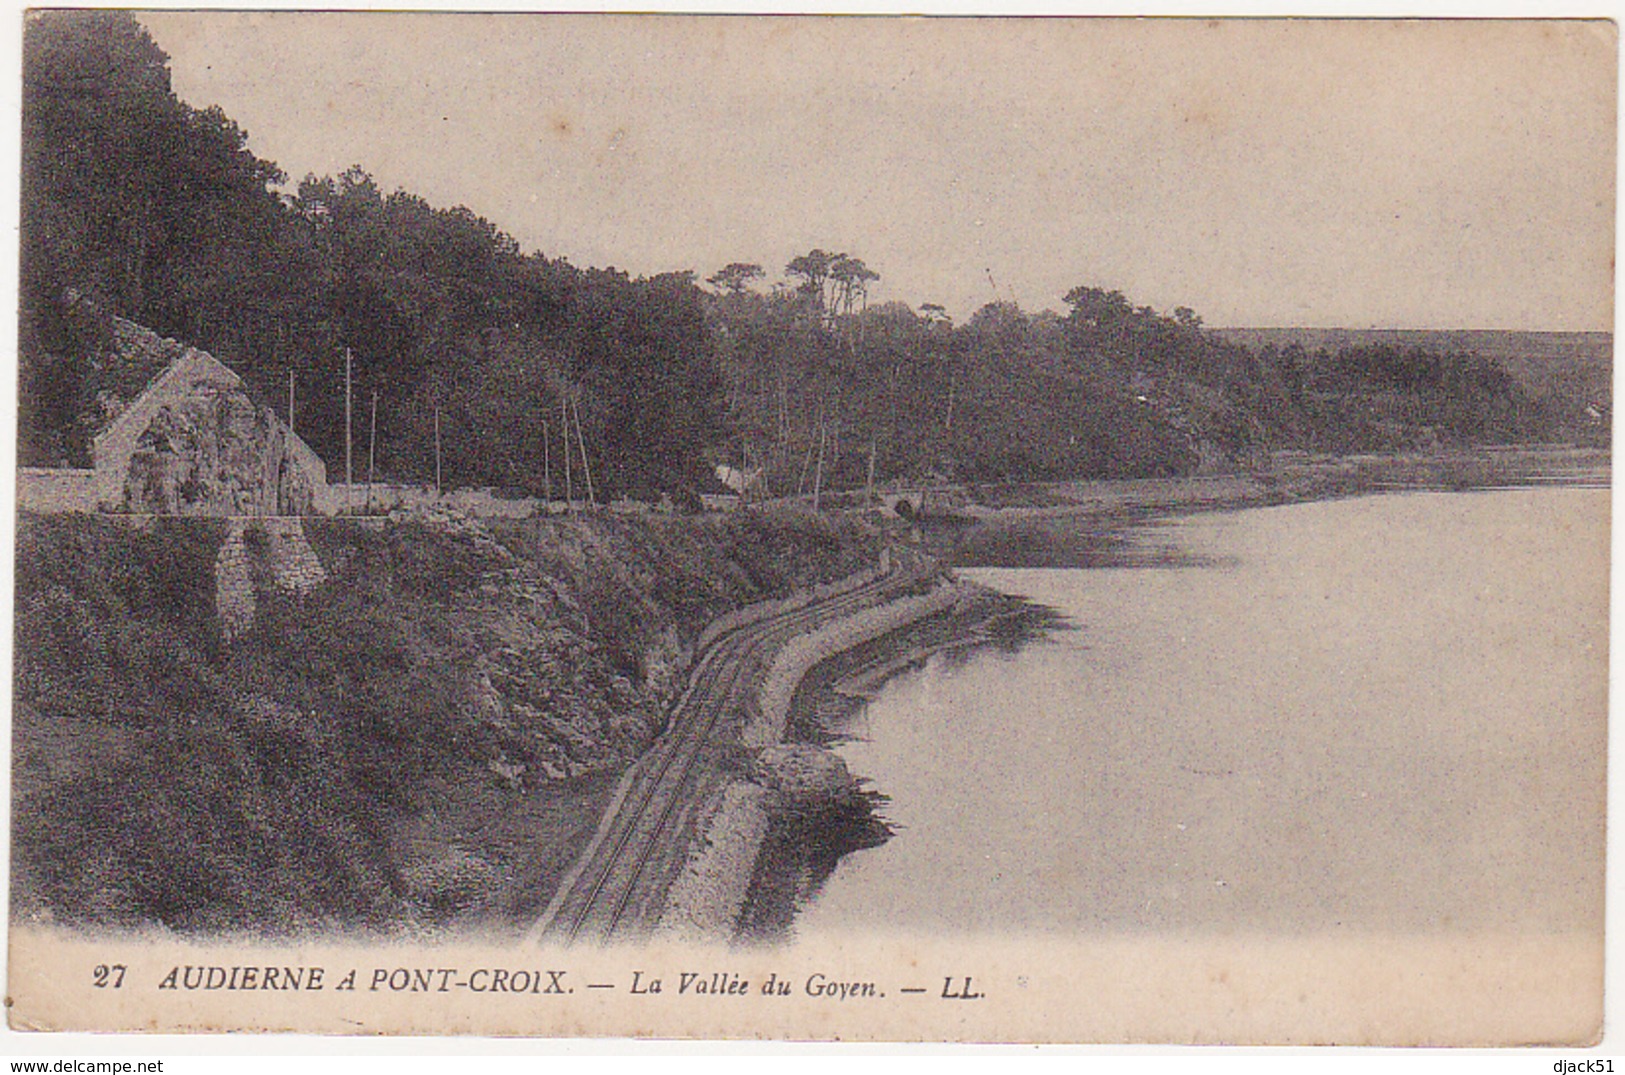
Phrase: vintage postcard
x=814 y=528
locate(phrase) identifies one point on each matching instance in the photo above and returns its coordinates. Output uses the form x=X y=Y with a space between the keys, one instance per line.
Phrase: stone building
x=175 y=432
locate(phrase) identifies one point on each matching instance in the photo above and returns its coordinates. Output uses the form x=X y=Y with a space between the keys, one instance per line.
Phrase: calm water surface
x=1381 y=713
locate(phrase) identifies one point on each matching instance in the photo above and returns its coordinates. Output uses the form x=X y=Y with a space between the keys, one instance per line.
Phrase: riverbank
x=801 y=848
x=1106 y=523
x=780 y=786
x=1299 y=476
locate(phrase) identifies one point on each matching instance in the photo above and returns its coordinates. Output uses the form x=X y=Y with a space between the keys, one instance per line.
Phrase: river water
x=1384 y=713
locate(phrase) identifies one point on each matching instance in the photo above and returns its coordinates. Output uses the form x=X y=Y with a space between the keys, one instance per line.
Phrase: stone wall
x=765 y=723
x=295 y=567
x=55 y=490
x=276 y=545
x=234 y=600
x=706 y=898
x=384 y=497
x=213 y=451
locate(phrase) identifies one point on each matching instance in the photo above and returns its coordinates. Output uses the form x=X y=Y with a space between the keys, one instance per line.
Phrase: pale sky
x=1423 y=174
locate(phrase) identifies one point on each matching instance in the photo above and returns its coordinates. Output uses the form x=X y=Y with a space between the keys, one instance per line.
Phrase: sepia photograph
x=812 y=528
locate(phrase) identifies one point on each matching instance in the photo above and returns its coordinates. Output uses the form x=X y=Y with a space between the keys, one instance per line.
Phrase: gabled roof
x=192 y=369
x=136 y=359
x=133 y=368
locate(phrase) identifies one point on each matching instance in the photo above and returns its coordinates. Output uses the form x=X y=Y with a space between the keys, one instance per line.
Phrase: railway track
x=618 y=887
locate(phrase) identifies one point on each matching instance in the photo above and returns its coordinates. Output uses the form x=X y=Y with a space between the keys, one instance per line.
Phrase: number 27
x=104 y=976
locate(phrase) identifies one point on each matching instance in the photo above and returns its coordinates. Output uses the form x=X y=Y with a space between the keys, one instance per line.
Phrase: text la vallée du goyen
x=529 y=981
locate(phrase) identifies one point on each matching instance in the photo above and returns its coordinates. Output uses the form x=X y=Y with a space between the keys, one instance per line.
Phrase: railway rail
x=618 y=887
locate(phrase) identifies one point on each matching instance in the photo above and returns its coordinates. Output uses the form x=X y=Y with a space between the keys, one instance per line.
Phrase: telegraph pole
x=818 y=475
x=290 y=399
x=586 y=468
x=569 y=491
x=349 y=465
x=372 y=446
x=547 y=463
x=437 y=450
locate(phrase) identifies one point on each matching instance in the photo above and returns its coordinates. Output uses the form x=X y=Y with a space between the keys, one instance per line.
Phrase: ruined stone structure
x=176 y=433
x=194 y=443
x=272 y=549
x=234 y=599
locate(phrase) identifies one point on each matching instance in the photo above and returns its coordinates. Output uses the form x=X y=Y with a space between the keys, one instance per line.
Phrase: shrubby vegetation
x=159 y=212
x=1391 y=397
x=432 y=735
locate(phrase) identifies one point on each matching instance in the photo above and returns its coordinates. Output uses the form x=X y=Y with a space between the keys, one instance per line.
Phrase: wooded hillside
x=158 y=212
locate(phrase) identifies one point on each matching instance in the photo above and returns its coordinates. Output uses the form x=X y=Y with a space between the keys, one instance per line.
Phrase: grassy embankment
x=427 y=738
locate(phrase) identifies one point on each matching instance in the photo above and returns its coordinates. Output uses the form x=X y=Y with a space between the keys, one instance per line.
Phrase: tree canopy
x=158 y=212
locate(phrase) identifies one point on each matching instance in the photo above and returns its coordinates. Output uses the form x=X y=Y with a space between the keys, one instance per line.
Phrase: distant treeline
x=158 y=212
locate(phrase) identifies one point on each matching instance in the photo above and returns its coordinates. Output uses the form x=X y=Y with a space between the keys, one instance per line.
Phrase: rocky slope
x=426 y=734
